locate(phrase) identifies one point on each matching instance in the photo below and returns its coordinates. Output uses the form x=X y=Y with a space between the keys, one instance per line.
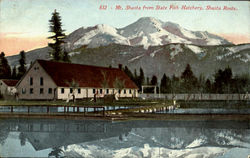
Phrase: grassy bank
x=215 y=104
x=99 y=102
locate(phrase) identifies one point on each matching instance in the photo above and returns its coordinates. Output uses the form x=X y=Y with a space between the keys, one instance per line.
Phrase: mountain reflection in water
x=141 y=138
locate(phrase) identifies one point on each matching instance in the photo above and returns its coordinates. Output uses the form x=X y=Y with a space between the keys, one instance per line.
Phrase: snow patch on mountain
x=74 y=53
x=234 y=53
x=238 y=48
x=153 y=54
x=135 y=58
x=196 y=143
x=102 y=35
x=175 y=50
x=188 y=33
x=195 y=49
x=211 y=41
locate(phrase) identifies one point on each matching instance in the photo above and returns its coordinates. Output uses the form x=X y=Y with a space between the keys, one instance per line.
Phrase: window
x=31 y=91
x=41 y=81
x=71 y=90
x=62 y=90
x=124 y=91
x=107 y=91
x=79 y=91
x=50 y=90
x=93 y=91
x=23 y=90
x=130 y=91
x=119 y=91
x=36 y=68
x=100 y=91
x=41 y=90
x=31 y=81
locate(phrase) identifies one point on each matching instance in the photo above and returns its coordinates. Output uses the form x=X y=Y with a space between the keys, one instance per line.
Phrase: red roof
x=10 y=82
x=85 y=75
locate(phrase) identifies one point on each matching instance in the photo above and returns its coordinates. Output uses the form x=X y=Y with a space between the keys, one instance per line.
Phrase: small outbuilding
x=8 y=87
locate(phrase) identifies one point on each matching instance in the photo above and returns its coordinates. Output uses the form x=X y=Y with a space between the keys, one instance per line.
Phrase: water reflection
x=93 y=138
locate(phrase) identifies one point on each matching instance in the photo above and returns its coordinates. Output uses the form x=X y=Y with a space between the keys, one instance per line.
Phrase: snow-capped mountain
x=146 y=31
x=156 y=46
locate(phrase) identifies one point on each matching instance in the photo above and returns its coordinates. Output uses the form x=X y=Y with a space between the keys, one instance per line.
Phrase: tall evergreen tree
x=141 y=78
x=66 y=57
x=223 y=81
x=154 y=80
x=165 y=84
x=22 y=65
x=14 y=73
x=55 y=26
x=5 y=70
x=241 y=84
x=208 y=86
x=201 y=83
x=128 y=72
x=135 y=77
x=175 y=84
x=147 y=81
x=189 y=81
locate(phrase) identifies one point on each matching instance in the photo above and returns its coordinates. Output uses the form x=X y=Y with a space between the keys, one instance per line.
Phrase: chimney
x=120 y=66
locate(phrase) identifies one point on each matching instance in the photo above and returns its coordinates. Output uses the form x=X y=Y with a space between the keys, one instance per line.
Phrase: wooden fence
x=197 y=96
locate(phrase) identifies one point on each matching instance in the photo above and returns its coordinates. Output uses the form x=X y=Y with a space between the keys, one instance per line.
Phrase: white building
x=47 y=80
x=8 y=87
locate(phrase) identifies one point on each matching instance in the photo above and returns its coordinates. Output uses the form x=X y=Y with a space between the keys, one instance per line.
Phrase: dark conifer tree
x=55 y=26
x=22 y=65
x=147 y=81
x=135 y=77
x=165 y=84
x=189 y=81
x=175 y=84
x=128 y=72
x=154 y=80
x=201 y=84
x=223 y=81
x=14 y=73
x=141 y=78
x=5 y=70
x=208 y=86
x=66 y=57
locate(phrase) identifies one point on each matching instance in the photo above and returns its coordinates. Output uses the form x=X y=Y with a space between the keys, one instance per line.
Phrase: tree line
x=58 y=52
x=16 y=72
x=222 y=81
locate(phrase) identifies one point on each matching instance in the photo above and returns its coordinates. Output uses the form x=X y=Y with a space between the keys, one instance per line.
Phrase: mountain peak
x=146 y=31
x=148 y=19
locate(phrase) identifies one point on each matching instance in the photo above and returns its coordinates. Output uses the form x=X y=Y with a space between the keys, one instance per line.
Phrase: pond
x=43 y=109
x=140 y=138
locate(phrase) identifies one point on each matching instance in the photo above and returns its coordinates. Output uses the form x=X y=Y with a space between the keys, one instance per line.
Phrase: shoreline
x=129 y=117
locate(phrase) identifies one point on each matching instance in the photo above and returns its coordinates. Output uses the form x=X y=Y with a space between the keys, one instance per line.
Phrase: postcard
x=127 y=78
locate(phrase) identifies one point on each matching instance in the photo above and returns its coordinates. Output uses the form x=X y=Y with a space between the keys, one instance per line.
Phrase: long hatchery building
x=47 y=80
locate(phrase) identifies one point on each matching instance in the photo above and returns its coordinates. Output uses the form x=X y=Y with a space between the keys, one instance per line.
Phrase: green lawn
x=99 y=102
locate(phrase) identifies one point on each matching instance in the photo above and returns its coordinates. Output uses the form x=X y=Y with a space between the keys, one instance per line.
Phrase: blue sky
x=29 y=18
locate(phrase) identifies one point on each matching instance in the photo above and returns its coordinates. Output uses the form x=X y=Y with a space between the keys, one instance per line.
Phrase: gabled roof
x=9 y=82
x=84 y=75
